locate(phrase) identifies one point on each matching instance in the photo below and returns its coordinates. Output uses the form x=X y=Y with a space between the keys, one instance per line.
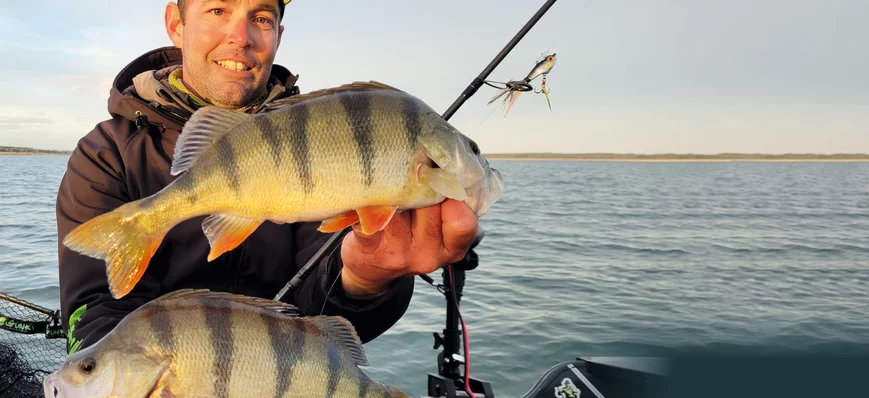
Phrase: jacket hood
x=126 y=102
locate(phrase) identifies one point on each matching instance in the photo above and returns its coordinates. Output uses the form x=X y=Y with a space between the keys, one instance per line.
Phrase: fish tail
x=119 y=238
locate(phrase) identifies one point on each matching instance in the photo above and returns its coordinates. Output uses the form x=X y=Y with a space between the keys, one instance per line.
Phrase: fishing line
x=330 y=290
x=563 y=32
x=481 y=121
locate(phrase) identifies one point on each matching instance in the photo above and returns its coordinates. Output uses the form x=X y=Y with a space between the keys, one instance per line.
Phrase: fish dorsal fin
x=205 y=296
x=355 y=86
x=205 y=127
x=342 y=332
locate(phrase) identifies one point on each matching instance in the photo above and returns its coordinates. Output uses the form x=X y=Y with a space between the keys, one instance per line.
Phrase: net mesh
x=27 y=356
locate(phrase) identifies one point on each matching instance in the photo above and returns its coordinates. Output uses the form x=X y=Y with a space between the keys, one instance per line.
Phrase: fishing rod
x=332 y=242
x=449 y=382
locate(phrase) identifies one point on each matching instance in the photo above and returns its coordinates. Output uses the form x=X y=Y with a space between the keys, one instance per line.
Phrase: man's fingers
x=459 y=229
x=427 y=226
x=399 y=227
x=422 y=240
x=424 y=255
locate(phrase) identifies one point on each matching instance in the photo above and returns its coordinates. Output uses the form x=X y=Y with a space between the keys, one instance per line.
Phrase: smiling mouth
x=233 y=65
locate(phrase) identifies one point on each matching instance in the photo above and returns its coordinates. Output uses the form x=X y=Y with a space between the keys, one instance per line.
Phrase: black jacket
x=128 y=157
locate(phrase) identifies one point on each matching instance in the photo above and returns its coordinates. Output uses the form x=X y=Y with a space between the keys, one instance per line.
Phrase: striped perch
x=357 y=153
x=197 y=343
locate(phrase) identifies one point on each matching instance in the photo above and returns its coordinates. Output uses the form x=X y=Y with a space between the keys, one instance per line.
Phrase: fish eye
x=474 y=148
x=88 y=365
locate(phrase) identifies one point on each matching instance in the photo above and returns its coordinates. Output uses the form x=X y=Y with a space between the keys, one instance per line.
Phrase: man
x=223 y=56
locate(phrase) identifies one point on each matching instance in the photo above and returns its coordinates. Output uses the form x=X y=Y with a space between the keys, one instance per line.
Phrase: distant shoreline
x=599 y=157
x=720 y=158
x=665 y=160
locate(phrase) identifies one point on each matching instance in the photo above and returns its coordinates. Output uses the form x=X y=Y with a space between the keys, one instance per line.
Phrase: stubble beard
x=222 y=92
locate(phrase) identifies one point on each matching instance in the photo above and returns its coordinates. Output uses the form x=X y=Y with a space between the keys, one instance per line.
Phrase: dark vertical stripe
x=364 y=383
x=334 y=366
x=220 y=324
x=301 y=150
x=161 y=324
x=298 y=142
x=270 y=135
x=358 y=107
x=412 y=124
x=287 y=344
x=228 y=163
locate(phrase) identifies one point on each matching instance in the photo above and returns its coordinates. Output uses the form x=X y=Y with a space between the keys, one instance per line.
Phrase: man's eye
x=263 y=20
x=217 y=11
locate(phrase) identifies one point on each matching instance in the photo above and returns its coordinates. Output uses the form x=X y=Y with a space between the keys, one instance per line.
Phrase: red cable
x=464 y=335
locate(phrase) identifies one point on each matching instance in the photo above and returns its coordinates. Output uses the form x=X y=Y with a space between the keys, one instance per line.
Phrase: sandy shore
x=639 y=158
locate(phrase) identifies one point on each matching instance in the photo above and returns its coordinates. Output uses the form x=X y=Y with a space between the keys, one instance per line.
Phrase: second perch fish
x=357 y=153
x=198 y=344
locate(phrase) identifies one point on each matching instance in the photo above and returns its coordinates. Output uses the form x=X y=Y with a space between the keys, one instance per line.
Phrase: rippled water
x=592 y=258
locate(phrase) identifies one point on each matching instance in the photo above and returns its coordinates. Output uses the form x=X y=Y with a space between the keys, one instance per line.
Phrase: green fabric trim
x=177 y=84
x=71 y=342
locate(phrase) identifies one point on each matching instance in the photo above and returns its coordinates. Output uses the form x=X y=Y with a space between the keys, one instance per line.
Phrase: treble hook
x=545 y=92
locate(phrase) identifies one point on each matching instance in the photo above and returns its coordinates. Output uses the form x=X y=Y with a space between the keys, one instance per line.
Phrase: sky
x=653 y=76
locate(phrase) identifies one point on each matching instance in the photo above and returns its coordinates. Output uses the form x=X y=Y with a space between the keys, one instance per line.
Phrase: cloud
x=18 y=122
x=656 y=76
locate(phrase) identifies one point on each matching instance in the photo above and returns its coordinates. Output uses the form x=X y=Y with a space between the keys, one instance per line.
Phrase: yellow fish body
x=196 y=343
x=356 y=153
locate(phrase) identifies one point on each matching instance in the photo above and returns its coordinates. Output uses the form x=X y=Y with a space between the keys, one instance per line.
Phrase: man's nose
x=239 y=33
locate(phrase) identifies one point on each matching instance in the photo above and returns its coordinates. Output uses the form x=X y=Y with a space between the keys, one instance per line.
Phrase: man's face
x=228 y=47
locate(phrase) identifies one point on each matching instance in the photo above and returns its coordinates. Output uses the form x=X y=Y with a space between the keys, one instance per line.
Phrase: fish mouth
x=237 y=65
x=49 y=387
x=487 y=192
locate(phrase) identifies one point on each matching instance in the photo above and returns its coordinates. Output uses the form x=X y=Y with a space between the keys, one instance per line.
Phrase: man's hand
x=413 y=243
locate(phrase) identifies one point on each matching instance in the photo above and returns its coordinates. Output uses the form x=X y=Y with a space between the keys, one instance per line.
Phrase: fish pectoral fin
x=162 y=381
x=339 y=222
x=442 y=182
x=375 y=218
x=342 y=333
x=206 y=126
x=225 y=232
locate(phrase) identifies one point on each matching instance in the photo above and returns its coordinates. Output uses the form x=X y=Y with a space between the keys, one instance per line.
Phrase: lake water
x=602 y=258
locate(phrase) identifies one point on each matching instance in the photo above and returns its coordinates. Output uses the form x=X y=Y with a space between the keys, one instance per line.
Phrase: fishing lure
x=514 y=88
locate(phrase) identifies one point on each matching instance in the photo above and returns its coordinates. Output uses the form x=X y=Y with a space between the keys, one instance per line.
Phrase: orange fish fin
x=375 y=218
x=339 y=222
x=121 y=241
x=225 y=232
